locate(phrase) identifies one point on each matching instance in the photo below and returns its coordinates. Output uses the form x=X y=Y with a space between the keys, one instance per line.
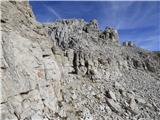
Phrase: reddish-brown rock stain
x=40 y=73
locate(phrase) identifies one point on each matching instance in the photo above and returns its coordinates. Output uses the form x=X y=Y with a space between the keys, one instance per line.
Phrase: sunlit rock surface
x=70 y=70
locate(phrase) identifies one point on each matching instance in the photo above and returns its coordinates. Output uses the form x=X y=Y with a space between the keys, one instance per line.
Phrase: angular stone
x=113 y=105
x=140 y=100
x=133 y=106
x=111 y=94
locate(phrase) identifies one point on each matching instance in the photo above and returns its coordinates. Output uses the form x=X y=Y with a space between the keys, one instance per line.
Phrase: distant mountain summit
x=70 y=70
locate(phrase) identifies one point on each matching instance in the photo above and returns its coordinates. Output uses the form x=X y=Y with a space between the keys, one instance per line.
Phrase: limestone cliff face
x=70 y=70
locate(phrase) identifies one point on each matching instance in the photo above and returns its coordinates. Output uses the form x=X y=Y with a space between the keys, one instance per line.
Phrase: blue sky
x=135 y=21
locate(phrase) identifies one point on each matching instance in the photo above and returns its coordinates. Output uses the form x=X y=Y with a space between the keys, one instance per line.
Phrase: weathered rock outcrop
x=128 y=44
x=70 y=70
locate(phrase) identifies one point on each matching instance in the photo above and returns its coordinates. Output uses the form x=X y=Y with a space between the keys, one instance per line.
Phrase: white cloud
x=150 y=43
x=122 y=17
x=53 y=11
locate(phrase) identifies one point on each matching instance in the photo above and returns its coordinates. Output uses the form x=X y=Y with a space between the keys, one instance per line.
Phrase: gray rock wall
x=70 y=70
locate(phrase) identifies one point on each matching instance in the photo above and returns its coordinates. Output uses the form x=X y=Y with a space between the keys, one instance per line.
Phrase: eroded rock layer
x=70 y=70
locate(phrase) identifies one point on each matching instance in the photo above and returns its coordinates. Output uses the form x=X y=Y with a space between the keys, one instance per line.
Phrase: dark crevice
x=107 y=94
x=18 y=117
x=136 y=63
x=3 y=102
x=3 y=21
x=79 y=58
x=46 y=55
x=60 y=104
x=87 y=66
x=3 y=67
x=53 y=50
x=71 y=44
x=75 y=64
x=24 y=93
x=110 y=36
